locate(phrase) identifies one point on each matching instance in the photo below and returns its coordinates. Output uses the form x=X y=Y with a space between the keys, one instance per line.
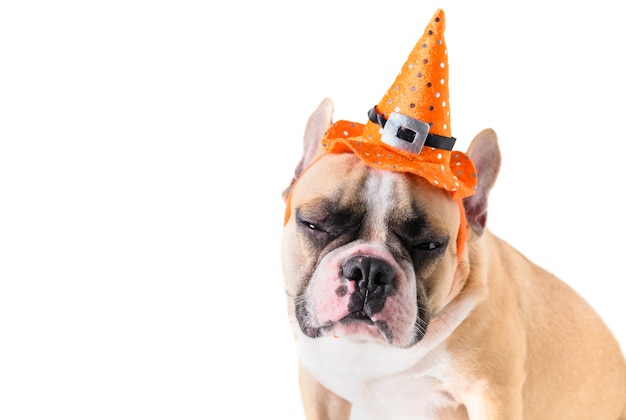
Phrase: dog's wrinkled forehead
x=340 y=192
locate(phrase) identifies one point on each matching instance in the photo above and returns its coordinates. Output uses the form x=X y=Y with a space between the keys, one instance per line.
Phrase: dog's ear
x=485 y=153
x=318 y=123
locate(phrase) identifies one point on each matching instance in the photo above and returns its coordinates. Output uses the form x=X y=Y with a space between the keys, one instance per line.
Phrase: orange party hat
x=409 y=129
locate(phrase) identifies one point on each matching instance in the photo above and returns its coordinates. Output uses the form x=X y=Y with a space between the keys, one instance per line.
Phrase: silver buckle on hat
x=405 y=133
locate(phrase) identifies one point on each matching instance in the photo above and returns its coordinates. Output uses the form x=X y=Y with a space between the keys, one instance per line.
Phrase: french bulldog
x=390 y=323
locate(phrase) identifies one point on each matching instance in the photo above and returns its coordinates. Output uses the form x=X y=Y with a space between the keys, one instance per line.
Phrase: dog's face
x=368 y=254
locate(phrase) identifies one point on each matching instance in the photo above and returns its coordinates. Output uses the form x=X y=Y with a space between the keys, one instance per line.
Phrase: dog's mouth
x=356 y=323
x=358 y=316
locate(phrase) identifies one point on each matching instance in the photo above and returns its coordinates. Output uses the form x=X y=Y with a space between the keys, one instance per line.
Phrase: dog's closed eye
x=428 y=246
x=310 y=225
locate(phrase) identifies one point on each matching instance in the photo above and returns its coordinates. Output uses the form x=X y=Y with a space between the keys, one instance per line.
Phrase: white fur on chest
x=381 y=382
x=386 y=382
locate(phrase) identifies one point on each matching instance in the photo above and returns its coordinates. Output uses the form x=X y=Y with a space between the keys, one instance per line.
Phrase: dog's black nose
x=368 y=272
x=374 y=281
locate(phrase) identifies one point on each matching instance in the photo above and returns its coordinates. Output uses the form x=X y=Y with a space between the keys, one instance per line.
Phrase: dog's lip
x=358 y=316
x=362 y=317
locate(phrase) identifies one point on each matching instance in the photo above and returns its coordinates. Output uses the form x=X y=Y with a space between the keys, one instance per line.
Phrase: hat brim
x=452 y=171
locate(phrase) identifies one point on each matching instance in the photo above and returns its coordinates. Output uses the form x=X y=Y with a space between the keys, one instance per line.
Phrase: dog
x=397 y=316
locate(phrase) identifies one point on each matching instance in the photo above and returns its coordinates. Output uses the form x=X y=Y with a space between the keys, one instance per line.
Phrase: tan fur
x=545 y=351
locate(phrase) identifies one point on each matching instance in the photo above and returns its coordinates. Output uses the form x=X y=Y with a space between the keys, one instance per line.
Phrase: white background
x=144 y=146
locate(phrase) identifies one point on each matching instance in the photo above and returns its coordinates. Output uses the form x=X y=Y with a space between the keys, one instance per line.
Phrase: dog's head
x=370 y=254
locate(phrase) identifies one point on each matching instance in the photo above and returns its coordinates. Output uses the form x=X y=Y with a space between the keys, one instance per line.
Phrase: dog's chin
x=359 y=327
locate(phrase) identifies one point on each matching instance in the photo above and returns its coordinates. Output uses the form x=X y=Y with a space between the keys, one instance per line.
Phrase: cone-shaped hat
x=409 y=129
